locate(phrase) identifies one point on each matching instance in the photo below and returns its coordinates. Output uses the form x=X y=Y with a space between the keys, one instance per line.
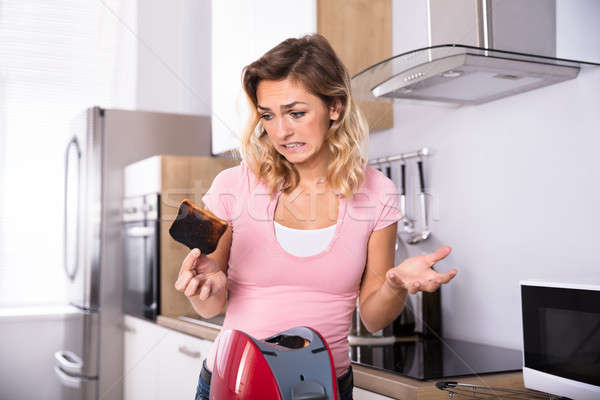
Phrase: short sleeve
x=220 y=197
x=387 y=209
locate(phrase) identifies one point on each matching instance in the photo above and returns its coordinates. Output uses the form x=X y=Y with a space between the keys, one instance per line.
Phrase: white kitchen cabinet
x=163 y=364
x=361 y=394
x=160 y=363
x=181 y=359
x=141 y=358
x=241 y=32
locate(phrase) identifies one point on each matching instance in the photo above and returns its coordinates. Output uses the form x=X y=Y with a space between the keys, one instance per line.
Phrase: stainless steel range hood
x=474 y=74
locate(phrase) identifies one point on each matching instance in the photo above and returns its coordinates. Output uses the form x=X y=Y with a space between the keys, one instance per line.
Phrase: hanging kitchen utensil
x=406 y=224
x=423 y=235
x=388 y=171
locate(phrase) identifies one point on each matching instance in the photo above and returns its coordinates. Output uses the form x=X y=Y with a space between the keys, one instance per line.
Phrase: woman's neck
x=313 y=175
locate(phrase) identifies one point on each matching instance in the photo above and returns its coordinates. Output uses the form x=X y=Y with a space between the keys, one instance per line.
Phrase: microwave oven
x=561 y=338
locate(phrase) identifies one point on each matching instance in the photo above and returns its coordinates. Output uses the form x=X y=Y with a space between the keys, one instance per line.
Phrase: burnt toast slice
x=197 y=228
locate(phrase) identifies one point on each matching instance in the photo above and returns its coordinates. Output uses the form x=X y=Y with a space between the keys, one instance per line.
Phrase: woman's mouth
x=294 y=147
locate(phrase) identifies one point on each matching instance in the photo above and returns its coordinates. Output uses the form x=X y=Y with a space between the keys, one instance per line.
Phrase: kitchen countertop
x=371 y=379
x=199 y=330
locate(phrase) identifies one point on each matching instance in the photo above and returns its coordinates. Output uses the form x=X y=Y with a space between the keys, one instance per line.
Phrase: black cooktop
x=436 y=358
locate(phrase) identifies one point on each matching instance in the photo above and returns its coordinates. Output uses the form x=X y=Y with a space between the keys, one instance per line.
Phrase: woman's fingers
x=190 y=260
x=414 y=287
x=197 y=276
x=204 y=285
x=205 y=290
x=425 y=281
x=448 y=276
x=394 y=280
x=438 y=255
x=189 y=269
x=185 y=276
x=428 y=284
x=192 y=286
x=434 y=284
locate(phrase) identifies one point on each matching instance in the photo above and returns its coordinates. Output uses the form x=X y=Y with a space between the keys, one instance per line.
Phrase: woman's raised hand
x=200 y=276
x=415 y=273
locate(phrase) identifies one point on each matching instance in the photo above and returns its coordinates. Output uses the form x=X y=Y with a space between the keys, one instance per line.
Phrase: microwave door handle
x=71 y=274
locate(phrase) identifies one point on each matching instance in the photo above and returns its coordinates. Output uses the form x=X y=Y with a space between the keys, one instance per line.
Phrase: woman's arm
x=384 y=287
x=202 y=278
x=380 y=303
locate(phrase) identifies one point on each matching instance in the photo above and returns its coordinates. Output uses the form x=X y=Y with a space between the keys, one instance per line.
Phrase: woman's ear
x=335 y=110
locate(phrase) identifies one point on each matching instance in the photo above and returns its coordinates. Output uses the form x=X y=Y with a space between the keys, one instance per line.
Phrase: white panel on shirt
x=303 y=242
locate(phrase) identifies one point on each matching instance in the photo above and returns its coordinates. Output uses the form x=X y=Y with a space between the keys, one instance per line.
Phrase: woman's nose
x=283 y=128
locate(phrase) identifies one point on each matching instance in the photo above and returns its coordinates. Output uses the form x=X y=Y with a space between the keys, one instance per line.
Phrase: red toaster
x=292 y=365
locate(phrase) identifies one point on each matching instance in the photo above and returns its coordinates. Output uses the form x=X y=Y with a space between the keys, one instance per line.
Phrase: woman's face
x=296 y=121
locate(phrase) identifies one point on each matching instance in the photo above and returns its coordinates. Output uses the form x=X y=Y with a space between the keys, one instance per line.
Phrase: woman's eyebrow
x=287 y=106
x=284 y=107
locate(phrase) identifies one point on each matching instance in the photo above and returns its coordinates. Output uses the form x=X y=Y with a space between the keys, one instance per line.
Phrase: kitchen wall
x=242 y=31
x=174 y=47
x=513 y=182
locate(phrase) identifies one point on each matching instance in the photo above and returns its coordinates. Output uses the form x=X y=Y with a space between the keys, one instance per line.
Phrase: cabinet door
x=141 y=358
x=181 y=359
x=361 y=394
x=360 y=32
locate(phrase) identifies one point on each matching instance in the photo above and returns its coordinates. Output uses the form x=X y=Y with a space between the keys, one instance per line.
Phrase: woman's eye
x=266 y=117
x=297 y=114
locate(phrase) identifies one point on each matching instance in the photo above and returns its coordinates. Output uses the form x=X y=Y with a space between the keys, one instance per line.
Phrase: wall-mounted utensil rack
x=401 y=157
x=407 y=224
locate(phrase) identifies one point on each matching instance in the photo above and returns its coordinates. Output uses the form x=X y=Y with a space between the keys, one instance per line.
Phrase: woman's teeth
x=292 y=145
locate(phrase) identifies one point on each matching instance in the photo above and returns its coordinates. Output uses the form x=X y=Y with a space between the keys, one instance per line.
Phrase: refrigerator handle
x=75 y=143
x=69 y=361
x=66 y=380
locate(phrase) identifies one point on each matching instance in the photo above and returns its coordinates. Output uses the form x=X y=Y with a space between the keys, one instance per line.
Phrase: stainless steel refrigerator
x=90 y=363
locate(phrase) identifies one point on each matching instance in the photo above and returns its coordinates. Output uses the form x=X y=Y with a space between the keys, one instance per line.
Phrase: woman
x=311 y=226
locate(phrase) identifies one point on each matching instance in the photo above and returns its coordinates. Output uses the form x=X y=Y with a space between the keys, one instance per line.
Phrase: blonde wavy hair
x=311 y=61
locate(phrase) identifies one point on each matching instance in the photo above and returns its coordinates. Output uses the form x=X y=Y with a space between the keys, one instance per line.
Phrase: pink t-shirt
x=271 y=290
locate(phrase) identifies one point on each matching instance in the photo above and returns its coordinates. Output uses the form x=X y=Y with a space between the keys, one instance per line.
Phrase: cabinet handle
x=126 y=328
x=189 y=353
x=140 y=231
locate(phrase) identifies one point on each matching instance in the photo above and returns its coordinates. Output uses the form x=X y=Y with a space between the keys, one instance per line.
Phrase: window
x=56 y=59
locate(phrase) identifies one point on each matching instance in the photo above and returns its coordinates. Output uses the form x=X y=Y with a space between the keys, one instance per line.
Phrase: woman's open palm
x=416 y=273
